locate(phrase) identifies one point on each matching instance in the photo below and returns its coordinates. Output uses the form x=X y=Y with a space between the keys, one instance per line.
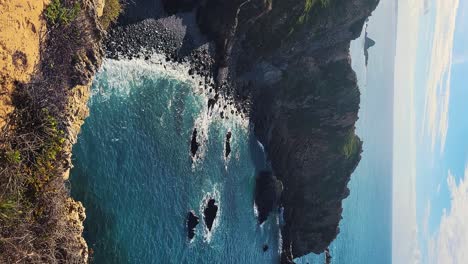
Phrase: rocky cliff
x=287 y=64
x=293 y=57
x=47 y=93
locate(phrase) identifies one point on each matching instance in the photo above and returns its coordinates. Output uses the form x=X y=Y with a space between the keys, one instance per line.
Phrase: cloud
x=436 y=121
x=427 y=215
x=450 y=244
x=460 y=58
x=405 y=245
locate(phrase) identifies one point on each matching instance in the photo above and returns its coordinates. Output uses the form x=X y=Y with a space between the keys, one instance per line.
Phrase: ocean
x=134 y=173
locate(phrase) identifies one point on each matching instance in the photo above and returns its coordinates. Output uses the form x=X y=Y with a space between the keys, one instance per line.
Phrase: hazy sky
x=430 y=204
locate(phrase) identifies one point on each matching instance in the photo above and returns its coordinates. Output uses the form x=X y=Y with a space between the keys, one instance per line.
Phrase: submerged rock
x=210 y=212
x=192 y=222
x=194 y=145
x=265 y=248
x=228 y=144
x=267 y=194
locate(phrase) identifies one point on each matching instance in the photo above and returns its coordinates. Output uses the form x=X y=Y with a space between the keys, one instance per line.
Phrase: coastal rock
x=267 y=194
x=192 y=222
x=194 y=145
x=75 y=219
x=210 y=212
x=293 y=79
x=100 y=7
x=368 y=43
x=227 y=150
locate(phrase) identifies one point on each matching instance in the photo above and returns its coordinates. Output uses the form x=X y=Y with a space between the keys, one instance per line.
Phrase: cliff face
x=294 y=59
x=288 y=63
x=47 y=94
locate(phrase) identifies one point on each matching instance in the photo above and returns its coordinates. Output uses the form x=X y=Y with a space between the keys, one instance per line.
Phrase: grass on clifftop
x=112 y=10
x=58 y=12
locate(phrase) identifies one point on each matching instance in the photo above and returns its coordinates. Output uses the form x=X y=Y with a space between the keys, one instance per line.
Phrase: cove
x=134 y=173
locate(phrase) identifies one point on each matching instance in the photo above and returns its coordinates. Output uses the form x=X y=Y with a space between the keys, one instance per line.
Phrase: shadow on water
x=100 y=230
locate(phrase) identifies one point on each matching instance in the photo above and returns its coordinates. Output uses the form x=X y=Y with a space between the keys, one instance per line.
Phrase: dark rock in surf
x=210 y=212
x=228 y=144
x=267 y=194
x=192 y=222
x=265 y=248
x=211 y=103
x=194 y=145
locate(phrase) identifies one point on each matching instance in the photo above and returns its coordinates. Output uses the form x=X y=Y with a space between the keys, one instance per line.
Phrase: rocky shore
x=284 y=66
x=288 y=69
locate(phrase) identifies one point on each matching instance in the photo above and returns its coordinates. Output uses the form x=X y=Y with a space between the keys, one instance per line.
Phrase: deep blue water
x=136 y=178
x=134 y=174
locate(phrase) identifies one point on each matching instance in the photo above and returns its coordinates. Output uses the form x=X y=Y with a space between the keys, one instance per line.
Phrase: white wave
x=261 y=146
x=122 y=75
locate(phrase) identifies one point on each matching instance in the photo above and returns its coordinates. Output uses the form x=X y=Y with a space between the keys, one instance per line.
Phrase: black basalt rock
x=210 y=212
x=228 y=144
x=194 y=145
x=267 y=194
x=192 y=222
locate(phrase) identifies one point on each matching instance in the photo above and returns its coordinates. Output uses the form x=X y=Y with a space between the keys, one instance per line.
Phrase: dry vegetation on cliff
x=39 y=223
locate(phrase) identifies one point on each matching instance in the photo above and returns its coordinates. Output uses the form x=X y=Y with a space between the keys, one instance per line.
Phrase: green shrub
x=8 y=209
x=13 y=156
x=112 y=9
x=57 y=13
x=351 y=145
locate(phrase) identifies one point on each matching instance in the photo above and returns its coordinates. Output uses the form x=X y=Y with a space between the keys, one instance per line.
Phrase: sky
x=430 y=166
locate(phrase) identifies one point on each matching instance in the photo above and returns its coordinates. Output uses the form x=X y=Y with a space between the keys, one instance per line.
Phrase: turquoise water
x=136 y=178
x=134 y=174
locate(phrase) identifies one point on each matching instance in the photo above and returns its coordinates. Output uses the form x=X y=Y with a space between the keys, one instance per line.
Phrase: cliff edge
x=50 y=52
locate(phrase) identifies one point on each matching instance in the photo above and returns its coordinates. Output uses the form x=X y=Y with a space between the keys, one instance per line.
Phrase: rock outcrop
x=288 y=64
x=368 y=43
x=210 y=212
x=295 y=61
x=192 y=222
x=267 y=194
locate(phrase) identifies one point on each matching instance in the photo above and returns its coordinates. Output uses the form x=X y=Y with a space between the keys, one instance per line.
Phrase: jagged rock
x=303 y=95
x=194 y=145
x=210 y=212
x=192 y=222
x=267 y=194
x=368 y=43
x=228 y=143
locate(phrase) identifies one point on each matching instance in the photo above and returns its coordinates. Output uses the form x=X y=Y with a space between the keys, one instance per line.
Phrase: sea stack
x=192 y=222
x=210 y=212
x=228 y=144
x=194 y=145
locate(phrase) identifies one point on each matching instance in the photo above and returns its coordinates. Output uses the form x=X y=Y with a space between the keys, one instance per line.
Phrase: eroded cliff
x=287 y=63
x=293 y=57
x=60 y=46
